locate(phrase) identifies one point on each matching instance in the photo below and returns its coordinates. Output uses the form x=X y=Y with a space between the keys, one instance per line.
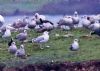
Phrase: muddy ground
x=93 y=65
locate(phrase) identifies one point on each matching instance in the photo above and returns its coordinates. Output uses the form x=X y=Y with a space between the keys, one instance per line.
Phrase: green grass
x=58 y=51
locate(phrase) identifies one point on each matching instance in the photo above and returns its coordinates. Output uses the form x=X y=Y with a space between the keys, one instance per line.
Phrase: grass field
x=58 y=51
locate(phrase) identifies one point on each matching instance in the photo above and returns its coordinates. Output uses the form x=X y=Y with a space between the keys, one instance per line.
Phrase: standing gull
x=46 y=26
x=66 y=20
x=75 y=45
x=1 y=20
x=75 y=19
x=20 y=52
x=95 y=26
x=7 y=33
x=32 y=24
x=22 y=36
x=38 y=17
x=41 y=39
x=12 y=48
x=85 y=22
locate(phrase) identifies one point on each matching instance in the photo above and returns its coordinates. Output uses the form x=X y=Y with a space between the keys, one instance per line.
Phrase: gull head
x=25 y=31
x=75 y=13
x=36 y=15
x=46 y=32
x=76 y=40
x=22 y=46
x=13 y=43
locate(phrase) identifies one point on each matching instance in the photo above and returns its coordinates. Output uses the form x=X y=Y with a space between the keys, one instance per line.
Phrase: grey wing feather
x=38 y=39
x=21 y=36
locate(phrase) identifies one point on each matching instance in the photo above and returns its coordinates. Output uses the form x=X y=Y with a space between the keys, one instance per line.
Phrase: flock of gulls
x=40 y=24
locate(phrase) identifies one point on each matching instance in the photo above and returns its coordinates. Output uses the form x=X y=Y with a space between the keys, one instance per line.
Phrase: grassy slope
x=58 y=51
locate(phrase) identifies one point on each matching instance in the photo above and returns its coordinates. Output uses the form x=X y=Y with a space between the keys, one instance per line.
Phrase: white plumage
x=48 y=25
x=85 y=22
x=38 y=16
x=20 y=52
x=41 y=39
x=2 y=19
x=22 y=36
x=75 y=19
x=32 y=24
x=95 y=26
x=13 y=48
x=7 y=33
x=75 y=45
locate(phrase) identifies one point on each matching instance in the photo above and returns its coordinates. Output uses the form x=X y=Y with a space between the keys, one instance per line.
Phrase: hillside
x=69 y=6
x=16 y=7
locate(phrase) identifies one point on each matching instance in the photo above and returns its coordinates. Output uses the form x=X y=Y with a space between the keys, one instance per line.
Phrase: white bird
x=17 y=24
x=20 y=23
x=41 y=39
x=2 y=20
x=22 y=36
x=75 y=18
x=48 y=26
x=75 y=45
x=92 y=18
x=66 y=20
x=7 y=33
x=20 y=52
x=12 y=48
x=25 y=21
x=95 y=26
x=38 y=16
x=32 y=24
x=85 y=22
x=98 y=17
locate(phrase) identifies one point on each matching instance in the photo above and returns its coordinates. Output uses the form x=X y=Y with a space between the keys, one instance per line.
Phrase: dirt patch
x=93 y=65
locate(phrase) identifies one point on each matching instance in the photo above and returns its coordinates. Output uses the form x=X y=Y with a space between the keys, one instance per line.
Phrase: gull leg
x=44 y=45
x=41 y=46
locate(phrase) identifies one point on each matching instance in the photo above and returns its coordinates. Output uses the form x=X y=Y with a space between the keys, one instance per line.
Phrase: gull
x=22 y=36
x=12 y=48
x=41 y=39
x=66 y=20
x=38 y=17
x=46 y=25
x=7 y=33
x=2 y=20
x=75 y=45
x=85 y=22
x=75 y=18
x=20 y=52
x=32 y=24
x=95 y=26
